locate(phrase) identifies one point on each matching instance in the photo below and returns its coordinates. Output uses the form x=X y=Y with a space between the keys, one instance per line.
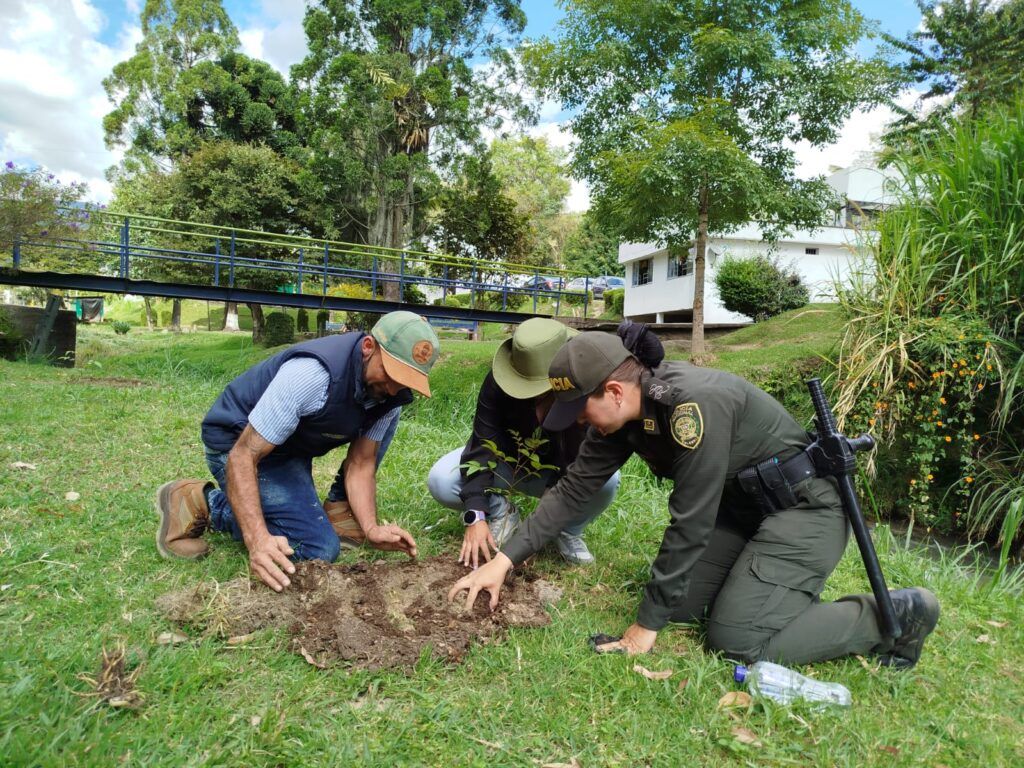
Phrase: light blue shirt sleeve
x=379 y=429
x=299 y=388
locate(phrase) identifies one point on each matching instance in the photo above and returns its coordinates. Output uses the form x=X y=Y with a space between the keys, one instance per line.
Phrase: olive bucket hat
x=520 y=365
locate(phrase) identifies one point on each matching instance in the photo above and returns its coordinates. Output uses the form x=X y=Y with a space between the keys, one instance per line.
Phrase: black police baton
x=832 y=453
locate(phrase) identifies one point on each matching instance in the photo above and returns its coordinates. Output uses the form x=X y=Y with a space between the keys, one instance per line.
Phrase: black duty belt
x=770 y=483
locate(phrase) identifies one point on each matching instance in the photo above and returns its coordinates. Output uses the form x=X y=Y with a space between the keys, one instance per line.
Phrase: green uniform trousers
x=759 y=586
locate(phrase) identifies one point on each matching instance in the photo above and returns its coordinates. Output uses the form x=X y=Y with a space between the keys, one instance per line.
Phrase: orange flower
x=949 y=439
x=981 y=386
x=977 y=436
x=913 y=481
x=871 y=422
x=988 y=367
x=931 y=476
x=938 y=423
x=942 y=400
x=935 y=411
x=911 y=385
x=954 y=363
x=963 y=362
x=969 y=479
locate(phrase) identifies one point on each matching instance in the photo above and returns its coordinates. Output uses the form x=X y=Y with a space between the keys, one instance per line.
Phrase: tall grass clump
x=932 y=361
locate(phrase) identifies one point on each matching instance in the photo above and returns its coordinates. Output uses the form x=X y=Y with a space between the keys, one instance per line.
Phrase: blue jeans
x=290 y=503
x=445 y=483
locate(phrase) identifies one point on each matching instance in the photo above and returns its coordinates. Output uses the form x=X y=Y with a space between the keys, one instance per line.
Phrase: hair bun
x=642 y=342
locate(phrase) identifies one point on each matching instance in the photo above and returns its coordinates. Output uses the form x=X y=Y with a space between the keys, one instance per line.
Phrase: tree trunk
x=697 y=335
x=150 y=316
x=176 y=315
x=257 y=322
x=230 y=316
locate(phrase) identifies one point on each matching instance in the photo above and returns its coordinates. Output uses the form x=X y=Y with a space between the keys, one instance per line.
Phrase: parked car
x=602 y=283
x=542 y=282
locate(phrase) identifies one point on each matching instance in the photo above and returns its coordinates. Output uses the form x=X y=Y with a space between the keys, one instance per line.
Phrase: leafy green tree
x=35 y=206
x=686 y=111
x=158 y=114
x=533 y=174
x=968 y=53
x=593 y=248
x=226 y=184
x=389 y=92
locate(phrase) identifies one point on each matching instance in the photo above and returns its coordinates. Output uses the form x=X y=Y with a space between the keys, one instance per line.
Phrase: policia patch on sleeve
x=687 y=425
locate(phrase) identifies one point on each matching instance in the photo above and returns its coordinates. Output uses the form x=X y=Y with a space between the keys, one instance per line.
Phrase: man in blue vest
x=264 y=430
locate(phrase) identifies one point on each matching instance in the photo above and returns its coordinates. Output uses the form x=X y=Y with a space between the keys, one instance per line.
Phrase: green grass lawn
x=79 y=576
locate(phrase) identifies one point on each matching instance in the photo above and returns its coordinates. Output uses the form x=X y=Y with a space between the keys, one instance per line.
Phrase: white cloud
x=276 y=34
x=51 y=70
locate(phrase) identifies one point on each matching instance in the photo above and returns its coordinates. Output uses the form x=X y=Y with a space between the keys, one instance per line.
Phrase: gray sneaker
x=503 y=527
x=574 y=549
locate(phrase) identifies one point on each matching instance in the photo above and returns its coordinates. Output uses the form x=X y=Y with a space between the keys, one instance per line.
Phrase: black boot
x=917 y=611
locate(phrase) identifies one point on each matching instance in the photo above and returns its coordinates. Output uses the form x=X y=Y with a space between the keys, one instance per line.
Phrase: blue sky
x=54 y=55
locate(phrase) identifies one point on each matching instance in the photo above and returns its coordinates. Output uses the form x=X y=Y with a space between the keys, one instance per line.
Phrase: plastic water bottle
x=784 y=685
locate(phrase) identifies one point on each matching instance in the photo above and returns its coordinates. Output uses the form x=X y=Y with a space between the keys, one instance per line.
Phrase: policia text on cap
x=752 y=565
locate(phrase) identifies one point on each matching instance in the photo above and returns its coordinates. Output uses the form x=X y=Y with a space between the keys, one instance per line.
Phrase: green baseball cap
x=409 y=348
x=577 y=370
x=520 y=366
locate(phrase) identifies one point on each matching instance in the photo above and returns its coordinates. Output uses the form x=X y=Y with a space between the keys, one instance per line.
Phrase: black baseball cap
x=577 y=370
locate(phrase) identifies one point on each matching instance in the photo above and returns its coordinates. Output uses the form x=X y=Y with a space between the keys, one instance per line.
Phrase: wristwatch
x=472 y=516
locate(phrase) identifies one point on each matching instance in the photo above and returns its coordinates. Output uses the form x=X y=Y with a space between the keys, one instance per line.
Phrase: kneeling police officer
x=747 y=552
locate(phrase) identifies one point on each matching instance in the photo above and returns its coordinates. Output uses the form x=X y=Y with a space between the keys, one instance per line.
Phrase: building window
x=679 y=263
x=811 y=251
x=642 y=272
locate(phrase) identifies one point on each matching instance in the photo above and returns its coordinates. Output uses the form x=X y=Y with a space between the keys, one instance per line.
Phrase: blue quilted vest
x=337 y=423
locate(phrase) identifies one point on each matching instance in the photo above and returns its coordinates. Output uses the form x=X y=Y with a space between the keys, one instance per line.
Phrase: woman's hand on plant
x=488 y=578
x=477 y=542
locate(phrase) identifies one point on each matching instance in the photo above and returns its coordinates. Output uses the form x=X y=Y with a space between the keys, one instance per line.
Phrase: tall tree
x=969 y=54
x=534 y=175
x=157 y=113
x=389 y=89
x=593 y=248
x=686 y=110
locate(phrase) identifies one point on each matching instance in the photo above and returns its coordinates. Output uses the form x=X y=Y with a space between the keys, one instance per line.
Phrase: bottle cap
x=740 y=673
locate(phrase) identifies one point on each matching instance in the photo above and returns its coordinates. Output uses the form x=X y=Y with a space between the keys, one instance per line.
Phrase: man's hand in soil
x=268 y=559
x=391 y=538
x=489 y=577
x=634 y=641
x=477 y=545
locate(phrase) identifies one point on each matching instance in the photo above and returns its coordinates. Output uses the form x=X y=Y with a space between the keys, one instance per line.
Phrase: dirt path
x=370 y=615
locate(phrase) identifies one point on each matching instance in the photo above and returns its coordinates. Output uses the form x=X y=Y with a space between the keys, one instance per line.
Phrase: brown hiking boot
x=184 y=517
x=339 y=513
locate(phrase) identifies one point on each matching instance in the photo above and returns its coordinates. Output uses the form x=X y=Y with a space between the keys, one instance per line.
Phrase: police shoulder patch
x=687 y=425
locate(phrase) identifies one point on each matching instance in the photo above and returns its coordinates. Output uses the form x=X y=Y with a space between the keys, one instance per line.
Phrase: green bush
x=758 y=288
x=322 y=316
x=302 y=321
x=121 y=327
x=613 y=301
x=280 y=329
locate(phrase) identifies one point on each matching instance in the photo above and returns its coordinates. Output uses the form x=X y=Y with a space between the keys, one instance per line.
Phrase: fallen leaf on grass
x=890 y=750
x=171 y=638
x=683 y=683
x=574 y=763
x=984 y=639
x=746 y=736
x=309 y=657
x=240 y=639
x=255 y=721
x=735 y=699
x=72 y=496
x=21 y=465
x=998 y=624
x=663 y=675
x=864 y=663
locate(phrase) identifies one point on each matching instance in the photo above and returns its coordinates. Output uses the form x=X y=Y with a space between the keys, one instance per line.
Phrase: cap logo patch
x=649 y=425
x=422 y=351
x=687 y=425
x=561 y=383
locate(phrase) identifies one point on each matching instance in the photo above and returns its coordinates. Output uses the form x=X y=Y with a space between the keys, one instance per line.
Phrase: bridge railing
x=145 y=247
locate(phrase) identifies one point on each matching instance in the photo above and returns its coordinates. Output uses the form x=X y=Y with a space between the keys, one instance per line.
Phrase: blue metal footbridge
x=101 y=251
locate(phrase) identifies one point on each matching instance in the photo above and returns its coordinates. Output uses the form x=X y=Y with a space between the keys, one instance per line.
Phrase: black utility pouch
x=750 y=483
x=775 y=483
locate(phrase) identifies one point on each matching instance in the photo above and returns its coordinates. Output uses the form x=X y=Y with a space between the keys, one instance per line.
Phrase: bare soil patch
x=368 y=615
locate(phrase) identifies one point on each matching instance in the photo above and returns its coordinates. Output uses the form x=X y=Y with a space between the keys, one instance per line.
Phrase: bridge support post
x=327 y=255
x=373 y=278
x=216 y=262
x=298 y=281
x=231 y=262
x=16 y=256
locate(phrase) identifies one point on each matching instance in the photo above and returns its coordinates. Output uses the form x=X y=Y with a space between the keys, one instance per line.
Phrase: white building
x=659 y=286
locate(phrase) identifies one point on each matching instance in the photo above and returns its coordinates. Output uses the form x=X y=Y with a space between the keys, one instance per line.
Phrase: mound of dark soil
x=382 y=614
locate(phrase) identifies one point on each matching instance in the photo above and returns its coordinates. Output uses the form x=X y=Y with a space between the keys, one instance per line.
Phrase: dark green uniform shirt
x=699 y=428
